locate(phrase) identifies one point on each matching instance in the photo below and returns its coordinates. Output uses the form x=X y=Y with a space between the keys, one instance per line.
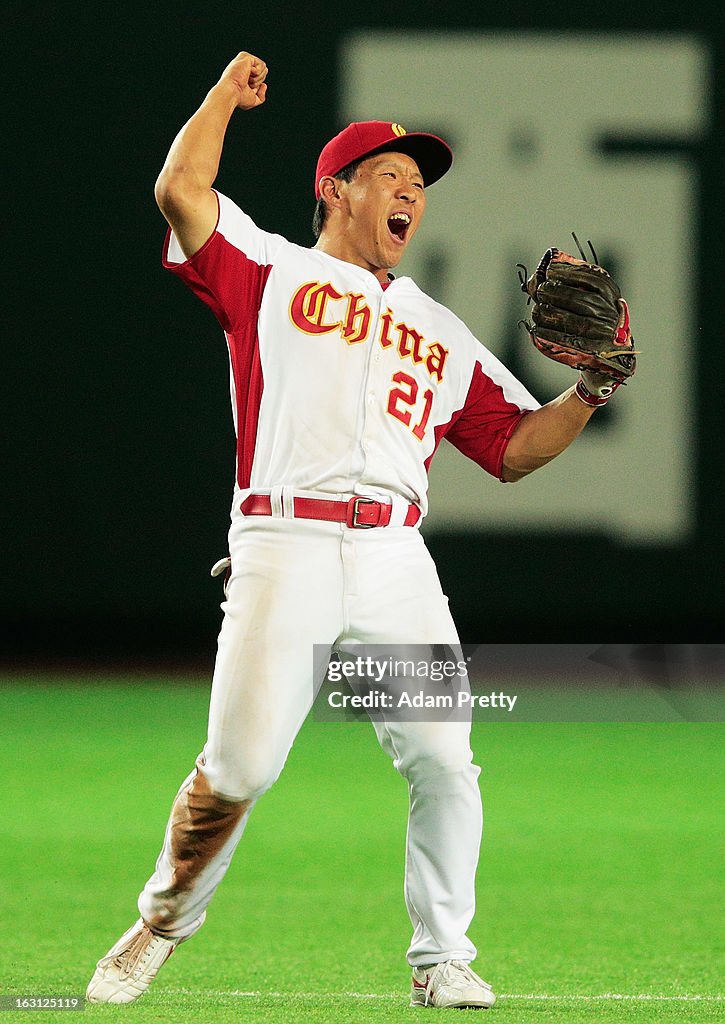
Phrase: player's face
x=385 y=203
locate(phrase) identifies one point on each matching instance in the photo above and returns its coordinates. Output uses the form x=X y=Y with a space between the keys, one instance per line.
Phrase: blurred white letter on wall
x=526 y=115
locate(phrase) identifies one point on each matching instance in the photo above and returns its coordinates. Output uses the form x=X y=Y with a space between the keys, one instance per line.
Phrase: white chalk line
x=643 y=997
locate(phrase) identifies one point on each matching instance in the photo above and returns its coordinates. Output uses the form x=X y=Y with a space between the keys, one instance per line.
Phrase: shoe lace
x=432 y=978
x=136 y=954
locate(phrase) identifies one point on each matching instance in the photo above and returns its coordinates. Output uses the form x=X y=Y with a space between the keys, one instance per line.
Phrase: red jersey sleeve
x=230 y=270
x=495 y=404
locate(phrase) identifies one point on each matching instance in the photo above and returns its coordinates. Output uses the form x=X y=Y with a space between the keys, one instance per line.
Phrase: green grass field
x=600 y=886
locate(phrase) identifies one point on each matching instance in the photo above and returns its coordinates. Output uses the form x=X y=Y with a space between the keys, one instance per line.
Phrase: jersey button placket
x=370 y=396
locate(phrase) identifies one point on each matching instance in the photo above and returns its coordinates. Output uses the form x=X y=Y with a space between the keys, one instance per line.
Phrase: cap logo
x=398 y=129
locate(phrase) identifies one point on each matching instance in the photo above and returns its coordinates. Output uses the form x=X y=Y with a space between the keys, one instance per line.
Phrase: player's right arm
x=184 y=187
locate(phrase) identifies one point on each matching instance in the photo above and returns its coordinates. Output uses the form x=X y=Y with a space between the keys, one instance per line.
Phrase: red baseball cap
x=364 y=138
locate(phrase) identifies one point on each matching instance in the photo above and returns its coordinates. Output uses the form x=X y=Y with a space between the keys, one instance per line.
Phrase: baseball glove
x=579 y=316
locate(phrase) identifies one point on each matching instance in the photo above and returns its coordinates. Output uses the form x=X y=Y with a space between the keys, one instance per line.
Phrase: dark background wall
x=117 y=443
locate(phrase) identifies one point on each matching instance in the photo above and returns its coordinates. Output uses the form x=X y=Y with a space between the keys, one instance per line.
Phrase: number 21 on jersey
x=406 y=395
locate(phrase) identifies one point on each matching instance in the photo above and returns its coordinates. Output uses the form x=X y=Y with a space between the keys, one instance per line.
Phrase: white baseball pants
x=296 y=583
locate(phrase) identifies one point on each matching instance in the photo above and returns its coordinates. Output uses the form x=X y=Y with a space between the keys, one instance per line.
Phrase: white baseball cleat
x=129 y=967
x=450 y=984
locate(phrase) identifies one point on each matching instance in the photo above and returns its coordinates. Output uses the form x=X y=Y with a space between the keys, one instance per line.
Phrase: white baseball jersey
x=339 y=385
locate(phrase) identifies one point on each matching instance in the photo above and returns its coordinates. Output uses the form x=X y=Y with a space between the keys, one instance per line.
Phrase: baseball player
x=344 y=380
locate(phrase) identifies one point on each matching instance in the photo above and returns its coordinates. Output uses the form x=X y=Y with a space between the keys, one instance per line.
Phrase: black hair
x=320 y=215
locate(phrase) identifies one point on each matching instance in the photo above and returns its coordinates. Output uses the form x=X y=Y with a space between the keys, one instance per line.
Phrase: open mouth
x=398 y=225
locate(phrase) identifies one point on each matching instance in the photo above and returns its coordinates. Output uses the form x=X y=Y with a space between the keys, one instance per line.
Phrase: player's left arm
x=543 y=434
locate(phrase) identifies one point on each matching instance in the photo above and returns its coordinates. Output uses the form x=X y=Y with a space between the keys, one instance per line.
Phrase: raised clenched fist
x=247 y=74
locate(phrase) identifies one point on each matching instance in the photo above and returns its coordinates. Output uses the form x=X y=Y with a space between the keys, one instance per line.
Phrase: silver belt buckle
x=355 y=512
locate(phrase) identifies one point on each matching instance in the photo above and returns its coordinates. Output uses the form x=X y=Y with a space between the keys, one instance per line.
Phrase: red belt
x=359 y=513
